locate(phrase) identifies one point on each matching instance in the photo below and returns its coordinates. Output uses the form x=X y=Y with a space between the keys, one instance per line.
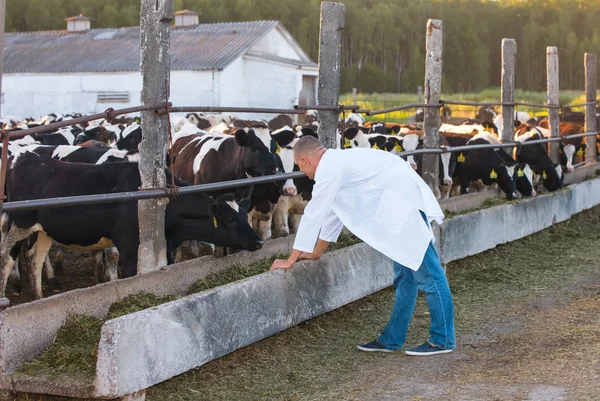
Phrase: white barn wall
x=34 y=95
x=276 y=45
x=194 y=88
x=270 y=84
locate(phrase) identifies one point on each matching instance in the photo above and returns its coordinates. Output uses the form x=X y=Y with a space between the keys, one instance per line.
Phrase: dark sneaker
x=426 y=349
x=373 y=346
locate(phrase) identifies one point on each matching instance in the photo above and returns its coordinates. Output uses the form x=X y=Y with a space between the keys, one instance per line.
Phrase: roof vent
x=78 y=23
x=186 y=18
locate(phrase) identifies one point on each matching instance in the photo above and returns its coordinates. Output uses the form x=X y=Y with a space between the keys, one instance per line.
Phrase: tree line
x=384 y=40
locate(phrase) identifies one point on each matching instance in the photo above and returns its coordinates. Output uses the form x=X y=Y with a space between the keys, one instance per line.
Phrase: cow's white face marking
x=264 y=135
x=63 y=151
x=511 y=171
x=287 y=160
x=129 y=130
x=214 y=142
x=234 y=206
x=410 y=142
x=355 y=118
x=121 y=154
x=569 y=152
x=529 y=175
x=559 y=171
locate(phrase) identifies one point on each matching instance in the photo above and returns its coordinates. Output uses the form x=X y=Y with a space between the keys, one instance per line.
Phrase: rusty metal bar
x=543 y=106
x=404 y=107
x=51 y=127
x=145 y=194
x=482 y=104
x=208 y=109
x=334 y=108
x=580 y=104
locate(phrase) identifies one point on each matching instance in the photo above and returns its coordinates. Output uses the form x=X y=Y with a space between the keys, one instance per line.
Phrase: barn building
x=239 y=64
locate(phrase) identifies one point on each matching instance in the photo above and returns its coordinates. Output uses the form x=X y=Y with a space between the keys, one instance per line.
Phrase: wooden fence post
x=330 y=52
x=591 y=124
x=2 y=25
x=155 y=31
x=553 y=99
x=433 y=89
x=509 y=52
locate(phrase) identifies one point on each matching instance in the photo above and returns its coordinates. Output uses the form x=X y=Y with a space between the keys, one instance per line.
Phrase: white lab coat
x=377 y=196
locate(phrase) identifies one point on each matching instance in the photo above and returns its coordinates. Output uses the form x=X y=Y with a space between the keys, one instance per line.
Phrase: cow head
x=257 y=157
x=99 y=133
x=285 y=138
x=412 y=142
x=355 y=138
x=486 y=113
x=503 y=175
x=553 y=177
x=523 y=178
x=230 y=224
x=129 y=138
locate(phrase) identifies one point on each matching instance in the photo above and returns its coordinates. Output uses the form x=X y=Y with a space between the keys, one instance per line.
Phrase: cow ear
x=284 y=138
x=242 y=137
x=307 y=131
x=350 y=133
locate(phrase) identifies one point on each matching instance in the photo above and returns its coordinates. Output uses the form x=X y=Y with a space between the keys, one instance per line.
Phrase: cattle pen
x=116 y=377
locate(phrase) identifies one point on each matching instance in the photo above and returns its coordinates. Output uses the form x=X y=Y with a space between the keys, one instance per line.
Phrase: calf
x=264 y=197
x=486 y=165
x=202 y=158
x=92 y=227
x=569 y=147
x=537 y=157
x=296 y=193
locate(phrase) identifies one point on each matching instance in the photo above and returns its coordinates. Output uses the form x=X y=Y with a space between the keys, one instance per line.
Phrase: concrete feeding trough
x=139 y=350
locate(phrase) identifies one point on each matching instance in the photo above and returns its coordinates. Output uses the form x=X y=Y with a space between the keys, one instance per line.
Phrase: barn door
x=307 y=94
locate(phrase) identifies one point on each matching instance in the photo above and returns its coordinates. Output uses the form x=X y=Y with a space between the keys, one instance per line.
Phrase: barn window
x=112 y=97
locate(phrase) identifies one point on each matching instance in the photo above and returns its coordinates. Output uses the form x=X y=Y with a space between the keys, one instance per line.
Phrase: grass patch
x=315 y=359
x=75 y=347
x=74 y=350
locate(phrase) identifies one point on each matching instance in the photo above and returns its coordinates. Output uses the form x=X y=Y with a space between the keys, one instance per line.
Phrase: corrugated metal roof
x=200 y=47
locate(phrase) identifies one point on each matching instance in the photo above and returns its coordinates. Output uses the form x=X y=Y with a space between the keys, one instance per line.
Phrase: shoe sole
x=373 y=349
x=414 y=353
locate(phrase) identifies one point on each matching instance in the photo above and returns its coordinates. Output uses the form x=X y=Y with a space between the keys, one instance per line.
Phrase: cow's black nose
x=259 y=243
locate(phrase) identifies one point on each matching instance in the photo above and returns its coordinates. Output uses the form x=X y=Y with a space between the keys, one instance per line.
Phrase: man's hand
x=282 y=264
x=309 y=256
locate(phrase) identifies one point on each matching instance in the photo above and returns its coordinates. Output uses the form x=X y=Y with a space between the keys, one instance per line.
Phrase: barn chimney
x=78 y=23
x=186 y=18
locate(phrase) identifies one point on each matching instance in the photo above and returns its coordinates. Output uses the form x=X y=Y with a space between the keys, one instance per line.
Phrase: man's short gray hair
x=307 y=145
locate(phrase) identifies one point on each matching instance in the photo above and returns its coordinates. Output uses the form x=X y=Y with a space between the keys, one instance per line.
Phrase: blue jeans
x=431 y=279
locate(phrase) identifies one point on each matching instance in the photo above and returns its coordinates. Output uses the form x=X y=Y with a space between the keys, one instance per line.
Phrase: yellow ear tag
x=544 y=176
x=347 y=143
x=489 y=129
x=580 y=152
x=493 y=174
x=398 y=147
x=520 y=173
x=278 y=150
x=215 y=221
x=460 y=158
x=375 y=146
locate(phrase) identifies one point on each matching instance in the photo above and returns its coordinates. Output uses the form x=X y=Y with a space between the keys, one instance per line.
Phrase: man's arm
x=316 y=214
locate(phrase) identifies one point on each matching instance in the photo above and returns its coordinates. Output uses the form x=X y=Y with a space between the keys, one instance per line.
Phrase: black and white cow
x=205 y=158
x=537 y=157
x=296 y=192
x=93 y=227
x=568 y=147
x=486 y=165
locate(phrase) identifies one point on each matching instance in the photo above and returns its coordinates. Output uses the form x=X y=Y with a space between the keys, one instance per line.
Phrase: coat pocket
x=392 y=212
